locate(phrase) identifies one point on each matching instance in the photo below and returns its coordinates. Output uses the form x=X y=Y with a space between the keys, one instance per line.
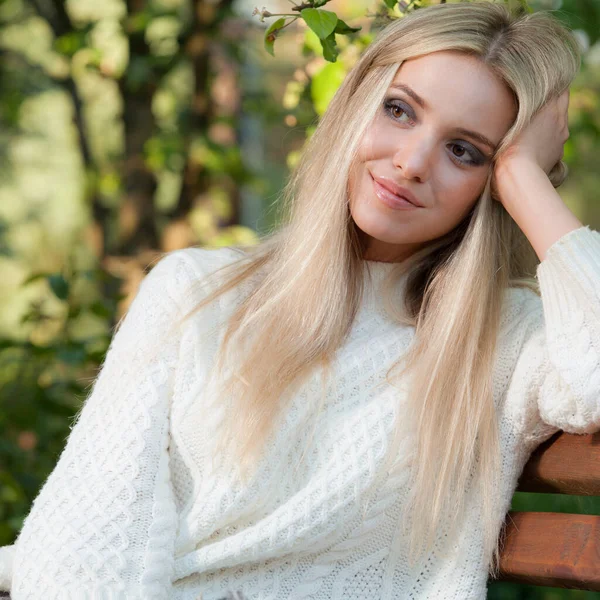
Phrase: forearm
x=534 y=204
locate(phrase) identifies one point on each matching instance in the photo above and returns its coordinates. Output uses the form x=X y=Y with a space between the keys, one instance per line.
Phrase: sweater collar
x=378 y=270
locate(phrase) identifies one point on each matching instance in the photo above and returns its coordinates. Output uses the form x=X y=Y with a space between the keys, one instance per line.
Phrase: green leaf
x=343 y=28
x=311 y=43
x=74 y=312
x=330 y=49
x=69 y=43
x=59 y=285
x=34 y=277
x=325 y=84
x=138 y=73
x=322 y=22
x=390 y=3
x=100 y=309
x=519 y=6
x=138 y=22
x=71 y=354
x=271 y=35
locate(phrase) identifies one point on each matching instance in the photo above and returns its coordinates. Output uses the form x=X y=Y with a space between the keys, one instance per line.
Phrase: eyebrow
x=472 y=134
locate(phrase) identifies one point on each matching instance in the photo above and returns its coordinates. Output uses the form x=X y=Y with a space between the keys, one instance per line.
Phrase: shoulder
x=181 y=273
x=194 y=260
x=172 y=289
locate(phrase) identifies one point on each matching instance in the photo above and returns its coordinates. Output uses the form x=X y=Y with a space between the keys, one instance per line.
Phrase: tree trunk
x=200 y=48
x=137 y=219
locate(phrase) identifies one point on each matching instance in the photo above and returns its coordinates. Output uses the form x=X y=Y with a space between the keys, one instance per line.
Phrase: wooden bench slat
x=564 y=464
x=552 y=549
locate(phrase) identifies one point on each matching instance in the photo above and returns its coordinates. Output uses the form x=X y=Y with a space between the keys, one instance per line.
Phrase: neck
x=378 y=251
x=376 y=273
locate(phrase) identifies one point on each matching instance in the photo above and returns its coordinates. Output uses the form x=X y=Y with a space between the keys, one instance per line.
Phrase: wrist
x=511 y=166
x=515 y=178
x=531 y=200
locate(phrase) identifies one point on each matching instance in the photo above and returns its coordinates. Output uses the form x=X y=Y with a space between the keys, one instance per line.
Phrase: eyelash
x=478 y=159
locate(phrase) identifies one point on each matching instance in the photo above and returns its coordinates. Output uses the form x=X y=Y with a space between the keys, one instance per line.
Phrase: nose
x=414 y=156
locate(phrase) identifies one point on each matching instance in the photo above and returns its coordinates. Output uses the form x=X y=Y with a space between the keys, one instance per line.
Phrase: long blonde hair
x=309 y=273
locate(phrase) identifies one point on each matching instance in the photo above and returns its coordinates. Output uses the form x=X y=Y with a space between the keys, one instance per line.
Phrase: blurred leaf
x=74 y=312
x=36 y=277
x=4 y=343
x=580 y=14
x=139 y=72
x=72 y=354
x=70 y=43
x=271 y=35
x=54 y=408
x=139 y=21
x=59 y=285
x=519 y=6
x=40 y=351
x=311 y=43
x=325 y=84
x=100 y=309
x=390 y=3
x=322 y=22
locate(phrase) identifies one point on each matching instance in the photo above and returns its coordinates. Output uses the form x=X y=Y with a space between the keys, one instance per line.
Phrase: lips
x=390 y=186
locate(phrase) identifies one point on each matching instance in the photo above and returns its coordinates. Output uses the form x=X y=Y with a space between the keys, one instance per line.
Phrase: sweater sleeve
x=104 y=522
x=6 y=559
x=562 y=355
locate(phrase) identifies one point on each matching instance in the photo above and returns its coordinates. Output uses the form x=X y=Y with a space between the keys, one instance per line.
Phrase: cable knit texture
x=140 y=506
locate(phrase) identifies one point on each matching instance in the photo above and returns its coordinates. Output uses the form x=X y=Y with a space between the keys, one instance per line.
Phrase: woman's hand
x=521 y=183
x=540 y=144
x=542 y=141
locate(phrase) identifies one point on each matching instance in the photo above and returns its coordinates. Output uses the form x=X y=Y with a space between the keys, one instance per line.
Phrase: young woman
x=343 y=411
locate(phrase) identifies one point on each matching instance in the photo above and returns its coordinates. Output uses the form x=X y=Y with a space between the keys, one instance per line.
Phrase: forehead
x=460 y=91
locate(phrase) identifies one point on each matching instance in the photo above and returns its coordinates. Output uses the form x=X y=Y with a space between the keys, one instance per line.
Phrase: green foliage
x=59 y=286
x=271 y=35
x=41 y=389
x=322 y=22
x=344 y=28
x=70 y=43
x=330 y=49
x=325 y=83
x=325 y=24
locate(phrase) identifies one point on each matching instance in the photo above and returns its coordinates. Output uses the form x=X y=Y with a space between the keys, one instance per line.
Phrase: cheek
x=366 y=149
x=356 y=182
x=377 y=142
x=458 y=190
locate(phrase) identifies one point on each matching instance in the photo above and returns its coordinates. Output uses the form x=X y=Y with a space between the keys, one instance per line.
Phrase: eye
x=398 y=110
x=465 y=154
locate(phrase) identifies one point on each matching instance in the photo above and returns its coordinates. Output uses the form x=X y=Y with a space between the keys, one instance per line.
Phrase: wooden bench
x=556 y=549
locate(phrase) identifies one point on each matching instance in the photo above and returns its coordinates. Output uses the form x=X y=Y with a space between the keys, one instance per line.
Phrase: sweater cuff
x=571 y=266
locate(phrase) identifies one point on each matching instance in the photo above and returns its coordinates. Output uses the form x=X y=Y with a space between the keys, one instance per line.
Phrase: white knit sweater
x=139 y=508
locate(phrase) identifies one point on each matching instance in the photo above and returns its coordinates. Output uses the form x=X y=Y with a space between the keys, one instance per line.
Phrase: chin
x=376 y=225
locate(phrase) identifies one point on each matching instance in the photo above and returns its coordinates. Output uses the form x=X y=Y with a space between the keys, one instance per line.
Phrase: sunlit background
x=132 y=128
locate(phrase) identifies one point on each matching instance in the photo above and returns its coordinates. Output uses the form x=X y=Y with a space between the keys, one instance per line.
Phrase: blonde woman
x=343 y=411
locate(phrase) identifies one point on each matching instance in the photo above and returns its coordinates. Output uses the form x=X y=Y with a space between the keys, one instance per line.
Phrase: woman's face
x=432 y=139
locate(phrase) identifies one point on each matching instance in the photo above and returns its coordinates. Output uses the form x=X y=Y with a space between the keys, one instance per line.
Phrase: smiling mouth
x=390 y=199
